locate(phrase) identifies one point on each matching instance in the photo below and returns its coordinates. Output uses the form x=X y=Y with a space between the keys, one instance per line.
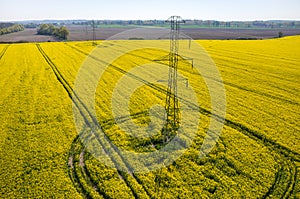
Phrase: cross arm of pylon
x=175 y=18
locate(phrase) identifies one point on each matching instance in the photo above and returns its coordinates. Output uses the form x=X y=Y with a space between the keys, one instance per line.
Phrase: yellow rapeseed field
x=257 y=155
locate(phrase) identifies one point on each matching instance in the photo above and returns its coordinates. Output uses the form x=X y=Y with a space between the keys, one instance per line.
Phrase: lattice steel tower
x=172 y=105
x=94 y=33
x=172 y=116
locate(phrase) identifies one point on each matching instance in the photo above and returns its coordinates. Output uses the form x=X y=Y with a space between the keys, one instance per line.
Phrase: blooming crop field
x=256 y=156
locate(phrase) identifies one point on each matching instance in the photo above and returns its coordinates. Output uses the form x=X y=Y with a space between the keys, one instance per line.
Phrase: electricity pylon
x=172 y=108
x=94 y=33
x=172 y=105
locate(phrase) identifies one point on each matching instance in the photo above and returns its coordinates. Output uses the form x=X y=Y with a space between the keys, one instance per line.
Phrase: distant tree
x=293 y=24
x=30 y=25
x=280 y=34
x=50 y=29
x=43 y=29
x=228 y=24
x=63 y=33
x=216 y=23
x=10 y=28
x=5 y=25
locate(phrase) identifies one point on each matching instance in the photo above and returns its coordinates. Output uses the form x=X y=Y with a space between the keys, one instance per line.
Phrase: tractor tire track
x=74 y=174
x=297 y=184
x=252 y=54
x=240 y=127
x=286 y=153
x=77 y=167
x=259 y=93
x=75 y=171
x=291 y=167
x=88 y=117
x=3 y=51
x=286 y=169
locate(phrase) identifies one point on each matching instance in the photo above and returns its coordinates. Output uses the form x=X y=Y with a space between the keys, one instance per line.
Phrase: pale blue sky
x=150 y=9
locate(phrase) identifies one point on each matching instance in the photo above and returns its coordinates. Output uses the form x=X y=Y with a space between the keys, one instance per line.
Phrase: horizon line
x=57 y=19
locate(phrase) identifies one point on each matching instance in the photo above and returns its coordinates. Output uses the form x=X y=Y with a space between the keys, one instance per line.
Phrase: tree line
x=50 y=29
x=6 y=28
x=198 y=23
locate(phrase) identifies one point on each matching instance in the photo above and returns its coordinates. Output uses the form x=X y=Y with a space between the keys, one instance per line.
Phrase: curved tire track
x=285 y=153
x=76 y=173
x=77 y=168
x=88 y=117
x=238 y=126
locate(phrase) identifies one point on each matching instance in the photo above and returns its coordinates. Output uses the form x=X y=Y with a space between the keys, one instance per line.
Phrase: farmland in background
x=257 y=155
x=83 y=33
